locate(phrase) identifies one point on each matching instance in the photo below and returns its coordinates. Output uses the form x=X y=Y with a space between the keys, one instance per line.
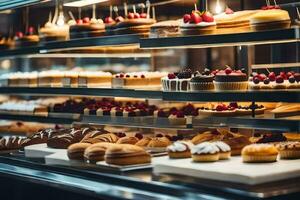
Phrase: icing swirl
x=179 y=146
x=205 y=148
x=222 y=146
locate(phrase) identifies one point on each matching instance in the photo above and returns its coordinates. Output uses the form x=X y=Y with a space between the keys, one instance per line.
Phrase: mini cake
x=76 y=151
x=234 y=22
x=259 y=153
x=168 y=28
x=30 y=39
x=134 y=23
x=126 y=154
x=205 y=152
x=87 y=27
x=177 y=81
x=270 y=19
x=96 y=79
x=229 y=79
x=96 y=152
x=202 y=81
x=289 y=150
x=179 y=149
x=225 y=150
x=198 y=23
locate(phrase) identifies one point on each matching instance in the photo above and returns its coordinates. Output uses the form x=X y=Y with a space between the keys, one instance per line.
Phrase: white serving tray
x=233 y=170
x=40 y=151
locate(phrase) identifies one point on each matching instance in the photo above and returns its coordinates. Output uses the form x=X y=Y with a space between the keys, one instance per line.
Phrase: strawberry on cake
x=229 y=79
x=198 y=23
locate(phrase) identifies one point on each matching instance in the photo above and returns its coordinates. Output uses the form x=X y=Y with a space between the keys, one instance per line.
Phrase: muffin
x=289 y=150
x=229 y=79
x=256 y=153
x=205 y=152
x=179 y=149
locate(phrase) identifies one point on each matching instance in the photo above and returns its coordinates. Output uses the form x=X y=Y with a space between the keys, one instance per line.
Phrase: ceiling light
x=82 y=3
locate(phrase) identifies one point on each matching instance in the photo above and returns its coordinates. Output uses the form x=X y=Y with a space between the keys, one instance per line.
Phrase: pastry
x=11 y=142
x=109 y=138
x=76 y=151
x=128 y=140
x=159 y=142
x=168 y=28
x=143 y=142
x=289 y=150
x=224 y=150
x=177 y=81
x=259 y=153
x=88 y=137
x=202 y=81
x=126 y=154
x=270 y=19
x=179 y=149
x=206 y=137
x=236 y=142
x=234 y=22
x=96 y=152
x=39 y=137
x=29 y=39
x=87 y=27
x=198 y=23
x=267 y=138
x=292 y=136
x=205 y=152
x=229 y=79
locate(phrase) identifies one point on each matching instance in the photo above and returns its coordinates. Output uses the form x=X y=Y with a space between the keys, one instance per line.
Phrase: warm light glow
x=82 y=3
x=218 y=8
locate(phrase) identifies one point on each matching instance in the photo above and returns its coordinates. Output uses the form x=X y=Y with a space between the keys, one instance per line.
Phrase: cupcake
x=225 y=150
x=177 y=81
x=229 y=79
x=202 y=81
x=205 y=152
x=289 y=150
x=179 y=149
x=256 y=153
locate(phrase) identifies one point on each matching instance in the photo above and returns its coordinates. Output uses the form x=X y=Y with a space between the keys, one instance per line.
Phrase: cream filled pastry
x=180 y=149
x=225 y=150
x=205 y=152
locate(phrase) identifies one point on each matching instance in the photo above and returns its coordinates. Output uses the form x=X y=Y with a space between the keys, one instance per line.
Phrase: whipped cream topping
x=223 y=147
x=180 y=146
x=205 y=148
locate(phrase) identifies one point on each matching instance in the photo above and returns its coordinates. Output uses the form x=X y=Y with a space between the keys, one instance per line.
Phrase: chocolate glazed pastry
x=40 y=137
x=110 y=138
x=11 y=142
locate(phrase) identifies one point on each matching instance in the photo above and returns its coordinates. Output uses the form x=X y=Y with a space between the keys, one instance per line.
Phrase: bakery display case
x=149 y=100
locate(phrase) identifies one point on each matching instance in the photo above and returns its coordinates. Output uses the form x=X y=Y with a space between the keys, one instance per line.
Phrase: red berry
x=262 y=77
x=171 y=76
x=142 y=76
x=117 y=76
x=19 y=34
x=31 y=30
x=195 y=18
x=179 y=114
x=108 y=20
x=279 y=79
x=139 y=136
x=137 y=15
x=130 y=15
x=256 y=80
x=290 y=74
x=119 y=19
x=86 y=20
x=135 y=76
x=228 y=70
x=233 y=105
x=79 y=21
x=127 y=76
x=207 y=17
x=186 y=18
x=121 y=75
x=277 y=7
x=283 y=75
x=272 y=76
x=143 y=15
x=219 y=108
x=264 y=8
x=228 y=11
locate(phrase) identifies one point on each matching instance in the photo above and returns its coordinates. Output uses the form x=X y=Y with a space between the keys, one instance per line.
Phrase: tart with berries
x=134 y=23
x=29 y=39
x=294 y=80
x=247 y=110
x=202 y=81
x=198 y=23
x=177 y=118
x=220 y=110
x=229 y=79
x=87 y=27
x=177 y=81
x=271 y=17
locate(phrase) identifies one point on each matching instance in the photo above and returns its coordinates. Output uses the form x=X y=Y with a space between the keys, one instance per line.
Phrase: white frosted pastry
x=205 y=152
x=225 y=150
x=180 y=146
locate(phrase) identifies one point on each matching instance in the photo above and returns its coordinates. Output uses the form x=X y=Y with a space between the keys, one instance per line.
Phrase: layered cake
x=234 y=22
x=50 y=79
x=177 y=81
x=97 y=79
x=29 y=39
x=168 y=28
x=198 y=23
x=202 y=81
x=150 y=80
x=229 y=79
x=270 y=18
x=87 y=27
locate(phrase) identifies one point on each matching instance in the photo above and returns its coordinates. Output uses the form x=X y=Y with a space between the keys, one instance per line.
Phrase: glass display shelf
x=280 y=95
x=220 y=40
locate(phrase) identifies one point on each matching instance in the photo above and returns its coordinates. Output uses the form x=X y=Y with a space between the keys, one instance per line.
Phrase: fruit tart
x=229 y=79
x=87 y=27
